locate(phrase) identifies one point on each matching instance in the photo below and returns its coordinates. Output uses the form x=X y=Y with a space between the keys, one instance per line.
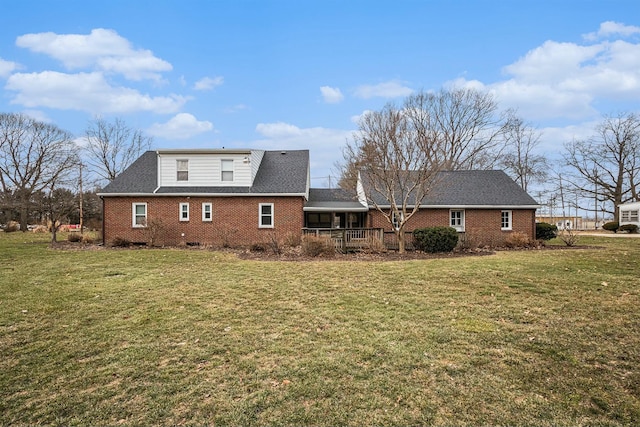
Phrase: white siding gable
x=205 y=169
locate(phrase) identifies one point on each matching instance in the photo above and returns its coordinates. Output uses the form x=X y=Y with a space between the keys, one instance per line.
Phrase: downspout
x=104 y=240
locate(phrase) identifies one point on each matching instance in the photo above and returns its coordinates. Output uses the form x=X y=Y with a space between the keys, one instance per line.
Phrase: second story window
x=183 y=170
x=227 y=170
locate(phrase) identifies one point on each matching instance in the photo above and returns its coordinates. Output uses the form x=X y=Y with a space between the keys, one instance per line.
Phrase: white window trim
x=510 y=225
x=180 y=212
x=204 y=218
x=179 y=170
x=394 y=219
x=631 y=215
x=133 y=215
x=459 y=228
x=260 y=215
x=222 y=170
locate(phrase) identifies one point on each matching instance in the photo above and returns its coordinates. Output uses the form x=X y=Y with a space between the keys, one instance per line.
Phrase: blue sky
x=297 y=74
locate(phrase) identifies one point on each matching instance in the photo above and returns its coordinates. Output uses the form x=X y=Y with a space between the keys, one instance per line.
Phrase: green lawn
x=164 y=336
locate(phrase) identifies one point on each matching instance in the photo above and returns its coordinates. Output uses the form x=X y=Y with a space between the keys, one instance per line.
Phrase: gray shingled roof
x=472 y=188
x=280 y=172
x=333 y=199
x=141 y=177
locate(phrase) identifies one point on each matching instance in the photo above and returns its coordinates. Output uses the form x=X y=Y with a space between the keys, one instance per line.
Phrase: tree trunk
x=54 y=234
x=401 y=243
x=23 y=216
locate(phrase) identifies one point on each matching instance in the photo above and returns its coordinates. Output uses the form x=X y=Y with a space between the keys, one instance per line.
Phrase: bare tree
x=466 y=125
x=462 y=123
x=113 y=146
x=34 y=156
x=519 y=159
x=399 y=164
x=59 y=205
x=606 y=167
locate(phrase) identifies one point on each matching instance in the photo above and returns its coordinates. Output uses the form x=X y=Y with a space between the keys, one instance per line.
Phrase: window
x=457 y=219
x=318 y=220
x=139 y=215
x=629 y=216
x=396 y=219
x=184 y=211
x=182 y=167
x=227 y=170
x=206 y=212
x=505 y=222
x=266 y=215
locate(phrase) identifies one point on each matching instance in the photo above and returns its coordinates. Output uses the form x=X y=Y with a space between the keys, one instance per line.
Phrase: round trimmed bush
x=435 y=239
x=546 y=231
x=611 y=226
x=631 y=228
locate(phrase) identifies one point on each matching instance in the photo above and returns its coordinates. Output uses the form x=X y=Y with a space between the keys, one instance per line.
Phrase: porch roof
x=333 y=200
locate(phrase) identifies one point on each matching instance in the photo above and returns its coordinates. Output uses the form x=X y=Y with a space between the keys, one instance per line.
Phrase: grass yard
x=165 y=336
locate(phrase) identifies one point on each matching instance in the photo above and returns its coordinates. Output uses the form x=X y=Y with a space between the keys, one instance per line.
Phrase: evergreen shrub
x=545 y=231
x=631 y=228
x=435 y=239
x=611 y=226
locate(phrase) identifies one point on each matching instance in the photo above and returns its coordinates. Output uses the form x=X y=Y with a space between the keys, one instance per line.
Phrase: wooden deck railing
x=346 y=239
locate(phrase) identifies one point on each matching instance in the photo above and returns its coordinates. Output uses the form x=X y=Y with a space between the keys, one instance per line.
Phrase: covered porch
x=338 y=214
x=350 y=239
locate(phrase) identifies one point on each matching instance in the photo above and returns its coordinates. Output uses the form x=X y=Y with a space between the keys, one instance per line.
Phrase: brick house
x=241 y=197
x=484 y=206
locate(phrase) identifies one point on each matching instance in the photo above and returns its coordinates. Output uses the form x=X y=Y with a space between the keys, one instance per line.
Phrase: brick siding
x=482 y=226
x=234 y=220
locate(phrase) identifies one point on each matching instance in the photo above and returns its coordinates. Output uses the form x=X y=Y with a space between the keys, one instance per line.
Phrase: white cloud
x=325 y=146
x=278 y=130
x=554 y=137
x=610 y=28
x=208 y=83
x=85 y=91
x=390 y=89
x=552 y=62
x=566 y=80
x=38 y=115
x=7 y=67
x=356 y=119
x=331 y=95
x=181 y=126
x=103 y=49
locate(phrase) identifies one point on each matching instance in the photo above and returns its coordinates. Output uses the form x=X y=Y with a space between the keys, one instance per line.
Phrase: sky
x=285 y=74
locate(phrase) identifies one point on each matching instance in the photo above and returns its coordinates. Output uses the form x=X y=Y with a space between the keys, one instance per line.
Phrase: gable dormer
x=208 y=168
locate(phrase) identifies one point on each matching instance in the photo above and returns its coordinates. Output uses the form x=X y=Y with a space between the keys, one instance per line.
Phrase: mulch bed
x=296 y=254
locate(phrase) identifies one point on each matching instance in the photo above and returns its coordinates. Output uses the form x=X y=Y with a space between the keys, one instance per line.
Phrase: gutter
x=154 y=194
x=463 y=206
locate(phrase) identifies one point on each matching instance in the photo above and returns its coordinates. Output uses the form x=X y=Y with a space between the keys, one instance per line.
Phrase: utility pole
x=81 y=200
x=595 y=201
